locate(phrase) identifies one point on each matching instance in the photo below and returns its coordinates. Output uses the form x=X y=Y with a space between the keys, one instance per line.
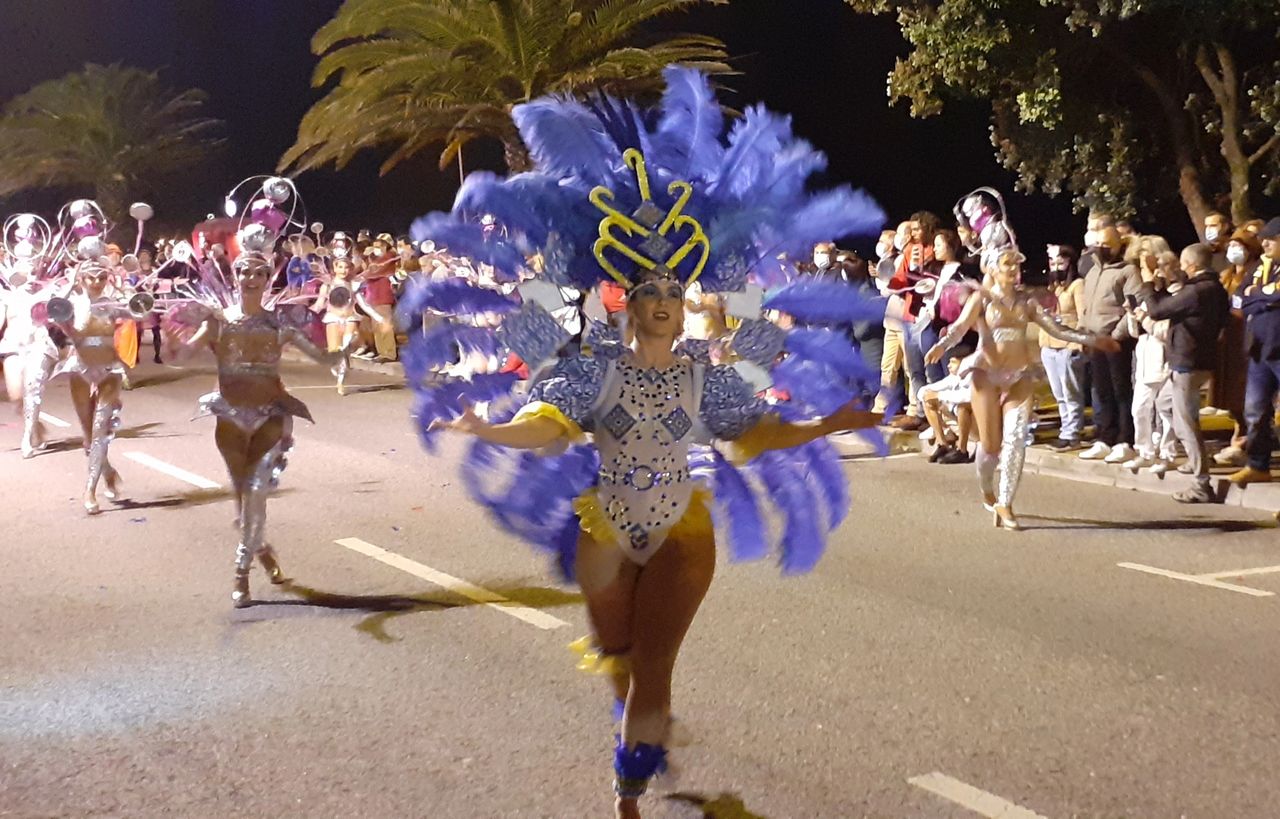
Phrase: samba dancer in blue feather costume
x=653 y=201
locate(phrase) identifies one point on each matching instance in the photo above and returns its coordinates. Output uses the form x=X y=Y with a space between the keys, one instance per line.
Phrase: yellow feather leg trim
x=592 y=661
x=694 y=523
x=541 y=409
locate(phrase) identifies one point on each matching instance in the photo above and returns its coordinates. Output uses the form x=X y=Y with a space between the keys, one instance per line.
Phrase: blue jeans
x=1259 y=410
x=1063 y=368
x=915 y=359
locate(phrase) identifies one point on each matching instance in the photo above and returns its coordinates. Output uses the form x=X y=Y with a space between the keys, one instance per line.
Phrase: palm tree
x=113 y=129
x=412 y=73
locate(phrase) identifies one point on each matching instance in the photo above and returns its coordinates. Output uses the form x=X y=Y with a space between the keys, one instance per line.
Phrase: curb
x=394 y=368
x=1041 y=461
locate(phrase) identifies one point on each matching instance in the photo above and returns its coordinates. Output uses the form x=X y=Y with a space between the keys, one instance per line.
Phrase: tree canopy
x=1119 y=102
x=114 y=129
x=409 y=74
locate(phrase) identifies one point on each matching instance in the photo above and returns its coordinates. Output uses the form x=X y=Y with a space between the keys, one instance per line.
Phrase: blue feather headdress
x=672 y=168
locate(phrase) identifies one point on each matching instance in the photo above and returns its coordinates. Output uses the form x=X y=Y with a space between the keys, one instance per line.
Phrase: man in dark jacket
x=1196 y=315
x=1261 y=305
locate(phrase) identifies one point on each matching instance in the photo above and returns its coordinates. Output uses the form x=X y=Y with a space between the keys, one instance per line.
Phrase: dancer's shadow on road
x=1181 y=525
x=723 y=806
x=185 y=500
x=382 y=608
x=165 y=377
x=379 y=607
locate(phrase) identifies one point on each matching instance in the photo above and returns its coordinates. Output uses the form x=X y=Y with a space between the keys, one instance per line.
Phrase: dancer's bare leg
x=82 y=399
x=669 y=591
x=608 y=582
x=964 y=420
x=13 y=371
x=233 y=445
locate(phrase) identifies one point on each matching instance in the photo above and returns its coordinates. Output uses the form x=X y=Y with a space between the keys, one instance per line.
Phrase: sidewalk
x=1067 y=465
x=394 y=369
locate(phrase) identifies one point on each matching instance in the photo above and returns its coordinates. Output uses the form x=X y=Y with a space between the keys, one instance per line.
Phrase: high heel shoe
x=91 y=507
x=1005 y=519
x=268 y=559
x=240 y=592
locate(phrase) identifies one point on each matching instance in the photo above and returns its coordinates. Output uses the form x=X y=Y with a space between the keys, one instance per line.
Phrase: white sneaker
x=1231 y=456
x=1119 y=454
x=1097 y=451
x=1134 y=464
x=1158 y=469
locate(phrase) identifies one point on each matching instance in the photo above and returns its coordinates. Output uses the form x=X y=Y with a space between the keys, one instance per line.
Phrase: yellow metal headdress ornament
x=655 y=249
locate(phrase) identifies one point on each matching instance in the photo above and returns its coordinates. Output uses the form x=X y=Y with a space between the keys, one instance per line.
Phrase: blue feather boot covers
x=634 y=767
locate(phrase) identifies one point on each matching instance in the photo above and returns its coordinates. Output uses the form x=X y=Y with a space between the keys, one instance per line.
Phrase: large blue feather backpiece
x=751 y=194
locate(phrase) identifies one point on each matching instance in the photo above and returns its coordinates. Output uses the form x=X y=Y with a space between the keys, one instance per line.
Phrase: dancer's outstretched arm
x=955 y=332
x=771 y=432
x=299 y=339
x=529 y=432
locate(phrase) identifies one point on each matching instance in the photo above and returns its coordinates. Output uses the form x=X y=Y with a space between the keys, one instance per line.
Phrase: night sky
x=827 y=66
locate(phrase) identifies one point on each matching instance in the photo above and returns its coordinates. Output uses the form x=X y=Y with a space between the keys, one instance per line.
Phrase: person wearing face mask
x=1107 y=287
x=1226 y=391
x=917 y=256
x=1097 y=223
x=1063 y=361
x=894 y=360
x=1154 y=437
x=886 y=247
x=1217 y=235
x=1196 y=314
x=1260 y=302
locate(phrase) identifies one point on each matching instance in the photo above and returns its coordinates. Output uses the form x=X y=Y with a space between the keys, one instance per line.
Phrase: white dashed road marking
x=975 y=799
x=171 y=470
x=1210 y=580
x=54 y=421
x=456 y=585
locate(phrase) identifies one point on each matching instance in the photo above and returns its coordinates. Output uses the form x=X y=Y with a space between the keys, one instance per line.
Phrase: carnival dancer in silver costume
x=254 y=433
x=629 y=516
x=28 y=352
x=1005 y=368
x=88 y=316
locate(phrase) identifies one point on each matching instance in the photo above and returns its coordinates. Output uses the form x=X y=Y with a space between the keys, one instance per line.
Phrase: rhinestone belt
x=643 y=477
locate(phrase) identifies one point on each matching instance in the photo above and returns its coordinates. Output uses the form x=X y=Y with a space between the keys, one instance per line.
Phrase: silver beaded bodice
x=643 y=428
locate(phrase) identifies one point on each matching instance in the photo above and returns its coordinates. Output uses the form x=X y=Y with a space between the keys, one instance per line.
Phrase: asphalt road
x=1028 y=667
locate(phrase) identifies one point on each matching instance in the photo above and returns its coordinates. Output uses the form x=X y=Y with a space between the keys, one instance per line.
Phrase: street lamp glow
x=229 y=206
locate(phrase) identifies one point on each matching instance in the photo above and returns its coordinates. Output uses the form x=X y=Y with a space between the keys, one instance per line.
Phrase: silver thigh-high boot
x=253 y=522
x=1013 y=454
x=106 y=420
x=35 y=372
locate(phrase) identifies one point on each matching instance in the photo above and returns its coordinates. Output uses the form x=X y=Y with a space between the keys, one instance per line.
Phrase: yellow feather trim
x=592 y=661
x=541 y=409
x=695 y=523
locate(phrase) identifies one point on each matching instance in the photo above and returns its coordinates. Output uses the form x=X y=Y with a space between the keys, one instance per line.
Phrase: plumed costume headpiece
x=982 y=211
x=676 y=198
